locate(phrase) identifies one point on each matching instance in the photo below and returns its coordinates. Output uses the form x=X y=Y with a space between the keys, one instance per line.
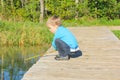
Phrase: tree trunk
x=42 y=8
x=12 y=5
x=77 y=1
x=25 y=3
x=76 y=17
x=22 y=3
x=12 y=10
x=2 y=6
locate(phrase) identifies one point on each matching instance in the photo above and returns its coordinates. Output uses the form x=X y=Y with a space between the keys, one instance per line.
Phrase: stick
x=37 y=56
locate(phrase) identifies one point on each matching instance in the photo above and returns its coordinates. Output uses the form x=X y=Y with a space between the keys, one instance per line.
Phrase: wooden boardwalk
x=100 y=59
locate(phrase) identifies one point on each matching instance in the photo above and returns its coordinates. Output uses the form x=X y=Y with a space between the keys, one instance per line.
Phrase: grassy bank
x=24 y=34
x=37 y=34
x=91 y=22
x=117 y=33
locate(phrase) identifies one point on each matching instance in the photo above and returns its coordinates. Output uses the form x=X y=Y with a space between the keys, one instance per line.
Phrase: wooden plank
x=100 y=59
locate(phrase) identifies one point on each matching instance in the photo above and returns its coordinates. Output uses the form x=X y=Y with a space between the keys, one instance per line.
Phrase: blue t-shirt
x=65 y=35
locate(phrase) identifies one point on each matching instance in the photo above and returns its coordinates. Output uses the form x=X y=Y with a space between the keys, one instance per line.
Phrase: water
x=15 y=61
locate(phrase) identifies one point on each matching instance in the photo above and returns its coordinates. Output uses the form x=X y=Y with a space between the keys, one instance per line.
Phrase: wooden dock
x=100 y=59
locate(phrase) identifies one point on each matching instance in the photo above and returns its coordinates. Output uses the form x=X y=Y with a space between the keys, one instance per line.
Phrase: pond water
x=15 y=61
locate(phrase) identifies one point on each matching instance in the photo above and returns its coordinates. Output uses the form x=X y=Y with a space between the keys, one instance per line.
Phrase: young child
x=64 y=41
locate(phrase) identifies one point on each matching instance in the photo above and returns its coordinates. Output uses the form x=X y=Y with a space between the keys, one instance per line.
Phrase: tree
x=12 y=9
x=22 y=2
x=76 y=1
x=2 y=8
x=42 y=8
x=37 y=10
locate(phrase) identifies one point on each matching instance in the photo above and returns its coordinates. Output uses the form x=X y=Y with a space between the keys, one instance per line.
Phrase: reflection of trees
x=13 y=61
x=1 y=68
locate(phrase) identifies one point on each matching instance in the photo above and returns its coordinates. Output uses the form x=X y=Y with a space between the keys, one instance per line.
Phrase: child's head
x=53 y=22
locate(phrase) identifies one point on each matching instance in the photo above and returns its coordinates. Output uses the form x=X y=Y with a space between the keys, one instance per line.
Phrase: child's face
x=52 y=28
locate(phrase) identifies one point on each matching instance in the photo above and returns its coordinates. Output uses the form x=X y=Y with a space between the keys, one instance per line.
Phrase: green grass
x=91 y=22
x=36 y=34
x=117 y=33
x=24 y=34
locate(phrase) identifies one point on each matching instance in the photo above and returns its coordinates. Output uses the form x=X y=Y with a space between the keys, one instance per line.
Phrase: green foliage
x=63 y=8
x=37 y=34
x=24 y=34
x=103 y=8
x=82 y=8
x=21 y=11
x=32 y=11
x=67 y=9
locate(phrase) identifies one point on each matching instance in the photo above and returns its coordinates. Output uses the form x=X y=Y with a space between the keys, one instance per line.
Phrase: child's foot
x=62 y=58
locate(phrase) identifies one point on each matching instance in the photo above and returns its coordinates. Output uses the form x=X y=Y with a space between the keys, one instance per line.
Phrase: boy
x=64 y=41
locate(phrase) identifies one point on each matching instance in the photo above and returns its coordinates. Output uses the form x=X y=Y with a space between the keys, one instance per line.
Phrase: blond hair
x=54 y=20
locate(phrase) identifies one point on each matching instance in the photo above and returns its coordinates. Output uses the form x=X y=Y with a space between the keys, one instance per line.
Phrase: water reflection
x=12 y=61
